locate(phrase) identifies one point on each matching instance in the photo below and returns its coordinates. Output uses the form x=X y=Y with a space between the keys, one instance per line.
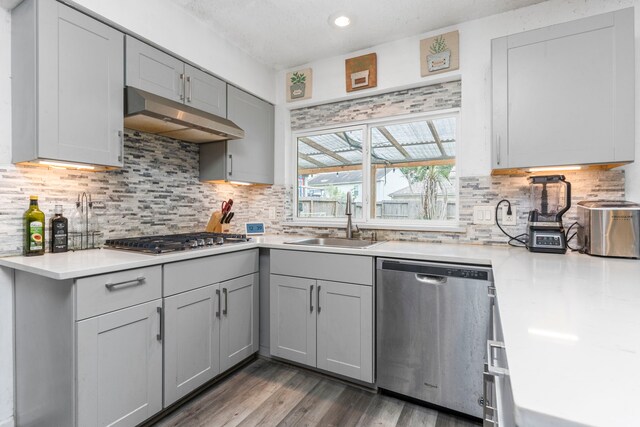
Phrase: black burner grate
x=174 y=242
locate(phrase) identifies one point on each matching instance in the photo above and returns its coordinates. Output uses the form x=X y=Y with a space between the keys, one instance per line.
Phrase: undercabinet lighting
x=239 y=183
x=553 y=334
x=555 y=168
x=66 y=165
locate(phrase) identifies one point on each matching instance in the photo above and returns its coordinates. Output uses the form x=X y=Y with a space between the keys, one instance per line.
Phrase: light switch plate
x=484 y=215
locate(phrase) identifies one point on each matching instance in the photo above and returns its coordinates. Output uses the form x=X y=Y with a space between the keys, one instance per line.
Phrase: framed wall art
x=299 y=85
x=361 y=72
x=439 y=54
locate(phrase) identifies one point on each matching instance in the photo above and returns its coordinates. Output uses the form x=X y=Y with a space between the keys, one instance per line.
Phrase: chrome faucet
x=348 y=214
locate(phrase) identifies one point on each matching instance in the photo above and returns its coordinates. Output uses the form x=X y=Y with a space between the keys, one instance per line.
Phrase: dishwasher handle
x=430 y=279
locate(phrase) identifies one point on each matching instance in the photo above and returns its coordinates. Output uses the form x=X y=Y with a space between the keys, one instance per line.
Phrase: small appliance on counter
x=609 y=228
x=550 y=199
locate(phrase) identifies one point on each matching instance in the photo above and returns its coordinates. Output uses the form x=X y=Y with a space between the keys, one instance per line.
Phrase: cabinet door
x=345 y=329
x=293 y=318
x=120 y=366
x=561 y=94
x=239 y=320
x=80 y=91
x=154 y=71
x=250 y=159
x=205 y=92
x=192 y=341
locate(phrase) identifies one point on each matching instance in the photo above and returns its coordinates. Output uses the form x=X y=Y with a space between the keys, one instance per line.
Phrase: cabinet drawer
x=338 y=268
x=113 y=291
x=192 y=274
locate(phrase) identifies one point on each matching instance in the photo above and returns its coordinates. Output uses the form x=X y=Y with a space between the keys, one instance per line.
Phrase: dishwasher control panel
x=435 y=270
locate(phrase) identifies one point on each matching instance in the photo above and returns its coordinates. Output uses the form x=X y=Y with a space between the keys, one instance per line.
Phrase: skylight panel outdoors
x=446 y=128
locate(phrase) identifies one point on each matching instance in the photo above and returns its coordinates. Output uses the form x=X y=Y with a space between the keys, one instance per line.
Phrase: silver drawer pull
x=491 y=367
x=311 y=298
x=135 y=282
x=431 y=280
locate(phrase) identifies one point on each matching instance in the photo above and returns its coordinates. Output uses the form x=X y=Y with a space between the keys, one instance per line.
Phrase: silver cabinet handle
x=311 y=298
x=218 y=296
x=488 y=411
x=226 y=302
x=432 y=280
x=181 y=86
x=498 y=149
x=118 y=285
x=160 y=333
x=230 y=164
x=319 y=308
x=491 y=291
x=491 y=366
x=189 y=84
x=121 y=138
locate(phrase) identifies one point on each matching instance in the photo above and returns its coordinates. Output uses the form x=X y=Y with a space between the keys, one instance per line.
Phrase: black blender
x=550 y=199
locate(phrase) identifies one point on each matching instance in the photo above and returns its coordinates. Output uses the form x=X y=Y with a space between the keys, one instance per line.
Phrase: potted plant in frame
x=440 y=55
x=298 y=85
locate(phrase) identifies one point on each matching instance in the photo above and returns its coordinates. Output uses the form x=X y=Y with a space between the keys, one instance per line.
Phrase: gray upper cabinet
x=67 y=86
x=157 y=72
x=154 y=71
x=564 y=94
x=205 y=92
x=245 y=160
x=120 y=366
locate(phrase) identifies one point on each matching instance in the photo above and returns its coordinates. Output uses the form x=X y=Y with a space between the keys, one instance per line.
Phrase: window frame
x=368 y=222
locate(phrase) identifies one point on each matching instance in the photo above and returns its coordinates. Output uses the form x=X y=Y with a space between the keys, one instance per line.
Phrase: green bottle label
x=35 y=236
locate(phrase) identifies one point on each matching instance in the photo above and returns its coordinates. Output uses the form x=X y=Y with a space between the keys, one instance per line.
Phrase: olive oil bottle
x=34 y=229
x=59 y=232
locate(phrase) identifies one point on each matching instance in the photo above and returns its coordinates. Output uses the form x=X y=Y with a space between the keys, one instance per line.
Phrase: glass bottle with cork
x=34 y=229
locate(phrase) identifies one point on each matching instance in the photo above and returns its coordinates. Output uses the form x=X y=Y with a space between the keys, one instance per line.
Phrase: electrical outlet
x=509 y=219
x=483 y=215
x=272 y=213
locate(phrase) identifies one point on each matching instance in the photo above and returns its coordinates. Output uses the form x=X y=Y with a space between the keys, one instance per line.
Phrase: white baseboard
x=7 y=423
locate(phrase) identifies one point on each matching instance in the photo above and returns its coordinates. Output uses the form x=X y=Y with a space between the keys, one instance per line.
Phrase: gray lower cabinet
x=192 y=341
x=345 y=329
x=67 y=86
x=239 y=320
x=157 y=72
x=249 y=159
x=211 y=318
x=120 y=366
x=318 y=320
x=293 y=318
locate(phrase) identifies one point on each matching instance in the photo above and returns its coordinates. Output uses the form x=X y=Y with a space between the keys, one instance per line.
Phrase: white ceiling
x=287 y=33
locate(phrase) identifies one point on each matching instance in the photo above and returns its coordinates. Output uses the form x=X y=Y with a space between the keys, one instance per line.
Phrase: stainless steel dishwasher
x=432 y=325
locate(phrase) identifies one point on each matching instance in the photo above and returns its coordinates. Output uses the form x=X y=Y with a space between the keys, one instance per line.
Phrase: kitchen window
x=399 y=172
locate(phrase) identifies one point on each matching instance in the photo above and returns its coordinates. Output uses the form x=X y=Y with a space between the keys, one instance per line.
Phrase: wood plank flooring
x=268 y=393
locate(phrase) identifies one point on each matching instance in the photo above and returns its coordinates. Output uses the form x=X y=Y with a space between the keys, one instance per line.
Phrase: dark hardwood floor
x=267 y=393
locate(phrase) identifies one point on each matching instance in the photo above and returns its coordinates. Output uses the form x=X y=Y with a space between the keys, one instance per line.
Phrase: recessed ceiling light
x=342 y=21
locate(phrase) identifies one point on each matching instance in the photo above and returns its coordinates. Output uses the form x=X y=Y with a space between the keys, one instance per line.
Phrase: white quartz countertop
x=571 y=322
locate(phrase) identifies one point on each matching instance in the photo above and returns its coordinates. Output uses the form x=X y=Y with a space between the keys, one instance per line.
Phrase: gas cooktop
x=174 y=242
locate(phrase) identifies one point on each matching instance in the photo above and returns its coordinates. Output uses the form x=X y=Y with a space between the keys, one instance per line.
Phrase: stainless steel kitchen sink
x=335 y=242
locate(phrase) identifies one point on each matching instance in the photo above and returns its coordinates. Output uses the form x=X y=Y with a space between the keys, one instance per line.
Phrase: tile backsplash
x=156 y=192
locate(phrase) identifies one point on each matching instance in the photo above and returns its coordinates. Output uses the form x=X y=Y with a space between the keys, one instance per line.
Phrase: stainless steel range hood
x=150 y=113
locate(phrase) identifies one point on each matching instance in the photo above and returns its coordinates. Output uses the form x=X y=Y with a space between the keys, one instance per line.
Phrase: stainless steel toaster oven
x=609 y=228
